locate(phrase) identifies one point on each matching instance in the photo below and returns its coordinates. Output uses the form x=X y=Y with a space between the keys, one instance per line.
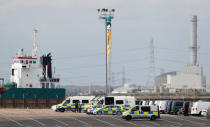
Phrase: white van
x=139 y=112
x=120 y=100
x=69 y=103
x=162 y=105
x=199 y=106
x=81 y=99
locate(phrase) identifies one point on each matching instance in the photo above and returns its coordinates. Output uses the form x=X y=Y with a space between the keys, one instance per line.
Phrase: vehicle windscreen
x=136 y=108
x=66 y=102
x=179 y=104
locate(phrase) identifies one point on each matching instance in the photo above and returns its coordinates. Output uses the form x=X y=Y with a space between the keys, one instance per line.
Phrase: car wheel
x=128 y=118
x=152 y=118
x=61 y=109
x=119 y=113
x=199 y=113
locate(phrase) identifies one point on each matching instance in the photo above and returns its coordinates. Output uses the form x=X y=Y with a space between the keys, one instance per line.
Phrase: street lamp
x=107 y=15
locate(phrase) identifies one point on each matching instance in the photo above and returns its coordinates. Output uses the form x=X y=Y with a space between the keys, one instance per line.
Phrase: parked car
x=190 y=107
x=109 y=109
x=169 y=107
x=208 y=113
x=204 y=112
x=166 y=106
x=176 y=105
x=185 y=109
x=199 y=106
x=92 y=108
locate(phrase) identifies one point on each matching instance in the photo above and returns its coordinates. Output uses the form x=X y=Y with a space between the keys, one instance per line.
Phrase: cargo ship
x=32 y=83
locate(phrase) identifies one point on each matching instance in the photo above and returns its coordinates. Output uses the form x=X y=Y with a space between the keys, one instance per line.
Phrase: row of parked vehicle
x=120 y=104
x=199 y=108
x=135 y=112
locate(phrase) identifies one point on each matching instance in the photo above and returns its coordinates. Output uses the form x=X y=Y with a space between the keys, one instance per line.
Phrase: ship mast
x=34 y=51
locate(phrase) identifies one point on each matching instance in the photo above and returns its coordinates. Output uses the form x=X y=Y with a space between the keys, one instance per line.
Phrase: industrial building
x=191 y=77
x=126 y=88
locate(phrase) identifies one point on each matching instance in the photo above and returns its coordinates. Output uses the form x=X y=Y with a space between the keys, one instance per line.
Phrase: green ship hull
x=34 y=93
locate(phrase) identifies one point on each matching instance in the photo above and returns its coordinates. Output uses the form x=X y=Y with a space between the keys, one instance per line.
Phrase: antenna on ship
x=34 y=52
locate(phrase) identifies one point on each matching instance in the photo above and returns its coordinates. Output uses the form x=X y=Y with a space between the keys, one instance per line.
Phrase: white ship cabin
x=26 y=72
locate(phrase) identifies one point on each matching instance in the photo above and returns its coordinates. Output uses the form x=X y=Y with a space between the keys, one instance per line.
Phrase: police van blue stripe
x=105 y=112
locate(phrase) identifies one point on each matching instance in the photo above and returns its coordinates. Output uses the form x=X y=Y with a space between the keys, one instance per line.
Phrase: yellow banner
x=108 y=43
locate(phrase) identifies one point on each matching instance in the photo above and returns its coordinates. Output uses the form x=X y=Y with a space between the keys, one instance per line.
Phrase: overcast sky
x=72 y=32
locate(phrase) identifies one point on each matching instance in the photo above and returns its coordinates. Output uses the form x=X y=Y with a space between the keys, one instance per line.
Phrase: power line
x=75 y=82
x=100 y=53
x=102 y=74
x=179 y=50
x=127 y=50
x=102 y=65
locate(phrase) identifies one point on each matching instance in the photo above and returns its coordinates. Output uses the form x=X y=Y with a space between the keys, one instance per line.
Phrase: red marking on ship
x=24 y=58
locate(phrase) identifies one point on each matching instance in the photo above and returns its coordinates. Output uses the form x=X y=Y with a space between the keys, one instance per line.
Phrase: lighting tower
x=107 y=15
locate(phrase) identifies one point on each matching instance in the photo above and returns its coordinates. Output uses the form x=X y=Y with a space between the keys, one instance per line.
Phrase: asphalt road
x=47 y=118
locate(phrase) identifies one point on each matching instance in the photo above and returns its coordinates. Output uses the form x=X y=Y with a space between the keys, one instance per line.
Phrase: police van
x=125 y=101
x=86 y=101
x=139 y=112
x=70 y=103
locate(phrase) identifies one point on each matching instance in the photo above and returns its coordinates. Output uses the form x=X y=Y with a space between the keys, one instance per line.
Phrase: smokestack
x=193 y=38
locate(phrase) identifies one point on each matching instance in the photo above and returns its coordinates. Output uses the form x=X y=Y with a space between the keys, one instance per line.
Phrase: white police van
x=139 y=112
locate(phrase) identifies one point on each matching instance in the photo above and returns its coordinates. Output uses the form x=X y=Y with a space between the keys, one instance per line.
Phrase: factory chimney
x=193 y=38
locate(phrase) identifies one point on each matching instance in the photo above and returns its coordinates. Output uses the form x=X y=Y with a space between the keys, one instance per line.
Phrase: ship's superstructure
x=26 y=72
x=32 y=83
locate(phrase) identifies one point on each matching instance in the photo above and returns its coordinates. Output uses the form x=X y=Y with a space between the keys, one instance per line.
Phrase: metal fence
x=28 y=103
